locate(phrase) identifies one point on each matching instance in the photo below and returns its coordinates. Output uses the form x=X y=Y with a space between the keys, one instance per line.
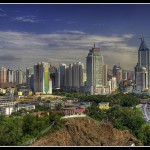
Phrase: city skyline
x=64 y=33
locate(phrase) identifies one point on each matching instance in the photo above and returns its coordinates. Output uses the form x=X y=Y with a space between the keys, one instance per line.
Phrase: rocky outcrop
x=87 y=132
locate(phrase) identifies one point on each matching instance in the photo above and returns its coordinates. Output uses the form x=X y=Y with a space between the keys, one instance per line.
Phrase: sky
x=64 y=33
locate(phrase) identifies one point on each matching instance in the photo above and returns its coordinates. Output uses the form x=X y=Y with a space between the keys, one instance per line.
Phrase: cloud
x=57 y=20
x=30 y=19
x=70 y=32
x=65 y=20
x=129 y=36
x=71 y=22
x=2 y=13
x=26 y=49
x=9 y=58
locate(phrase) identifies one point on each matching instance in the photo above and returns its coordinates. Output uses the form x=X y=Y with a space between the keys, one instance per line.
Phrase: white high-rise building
x=95 y=71
x=20 y=77
x=77 y=75
x=113 y=83
x=141 y=79
x=10 y=76
x=74 y=76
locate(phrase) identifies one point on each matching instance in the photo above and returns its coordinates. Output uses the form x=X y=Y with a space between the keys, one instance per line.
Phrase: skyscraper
x=77 y=75
x=144 y=59
x=105 y=75
x=141 y=78
x=95 y=71
x=28 y=78
x=3 y=74
x=10 y=76
x=20 y=76
x=117 y=72
x=53 y=75
x=62 y=69
x=70 y=76
x=42 y=82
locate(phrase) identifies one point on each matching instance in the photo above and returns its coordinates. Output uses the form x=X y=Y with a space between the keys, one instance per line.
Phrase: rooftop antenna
x=142 y=38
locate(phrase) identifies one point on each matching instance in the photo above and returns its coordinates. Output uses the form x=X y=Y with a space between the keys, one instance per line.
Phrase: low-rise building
x=25 y=106
x=103 y=105
x=7 y=110
x=3 y=104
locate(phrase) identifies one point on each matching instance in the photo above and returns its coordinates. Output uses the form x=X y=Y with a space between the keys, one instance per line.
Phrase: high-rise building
x=32 y=82
x=144 y=60
x=77 y=75
x=124 y=74
x=70 y=76
x=3 y=75
x=28 y=78
x=42 y=81
x=62 y=68
x=117 y=72
x=20 y=77
x=95 y=71
x=53 y=75
x=74 y=74
x=113 y=83
x=105 y=75
x=141 y=78
x=10 y=76
x=67 y=76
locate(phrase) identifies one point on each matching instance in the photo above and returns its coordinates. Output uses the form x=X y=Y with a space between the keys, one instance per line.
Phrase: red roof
x=79 y=110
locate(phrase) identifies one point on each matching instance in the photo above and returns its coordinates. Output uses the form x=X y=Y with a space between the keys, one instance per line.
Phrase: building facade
x=42 y=81
x=10 y=76
x=19 y=77
x=3 y=75
x=143 y=61
x=28 y=78
x=95 y=71
x=117 y=72
x=141 y=78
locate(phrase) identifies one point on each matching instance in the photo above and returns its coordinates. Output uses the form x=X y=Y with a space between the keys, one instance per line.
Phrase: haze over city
x=65 y=32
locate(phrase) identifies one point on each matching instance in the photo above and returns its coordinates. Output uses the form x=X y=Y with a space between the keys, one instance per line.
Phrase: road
x=146 y=112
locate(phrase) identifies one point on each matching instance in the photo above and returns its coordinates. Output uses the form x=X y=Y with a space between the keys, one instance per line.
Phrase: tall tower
x=10 y=76
x=77 y=75
x=141 y=78
x=117 y=72
x=70 y=76
x=62 y=69
x=95 y=71
x=144 y=58
x=3 y=74
x=19 y=74
x=105 y=75
x=42 y=82
x=53 y=75
x=28 y=77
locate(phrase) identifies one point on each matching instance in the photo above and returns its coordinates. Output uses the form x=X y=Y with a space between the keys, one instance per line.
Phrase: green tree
x=144 y=134
x=59 y=106
x=29 y=124
x=10 y=131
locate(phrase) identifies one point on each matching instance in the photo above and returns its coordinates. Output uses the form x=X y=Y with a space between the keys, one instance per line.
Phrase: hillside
x=87 y=132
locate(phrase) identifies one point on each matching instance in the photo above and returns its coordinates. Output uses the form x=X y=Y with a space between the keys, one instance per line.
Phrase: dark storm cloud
x=9 y=58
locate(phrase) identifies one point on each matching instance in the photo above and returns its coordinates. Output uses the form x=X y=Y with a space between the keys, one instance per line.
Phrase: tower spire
x=142 y=39
x=94 y=45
